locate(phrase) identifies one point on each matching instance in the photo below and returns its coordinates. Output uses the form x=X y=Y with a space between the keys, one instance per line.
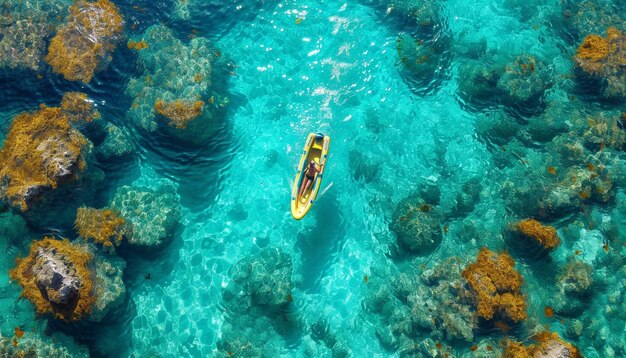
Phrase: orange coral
x=40 y=152
x=74 y=256
x=18 y=332
x=546 y=236
x=137 y=45
x=79 y=46
x=103 y=226
x=179 y=112
x=548 y=344
x=496 y=285
x=595 y=54
x=78 y=108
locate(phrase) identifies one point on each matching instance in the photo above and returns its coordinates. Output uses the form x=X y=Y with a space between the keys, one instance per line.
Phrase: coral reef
x=521 y=84
x=22 y=44
x=41 y=152
x=109 y=289
x=24 y=27
x=70 y=281
x=116 y=144
x=581 y=18
x=531 y=229
x=260 y=280
x=178 y=112
x=417 y=225
x=177 y=91
x=604 y=58
x=30 y=345
x=102 y=226
x=320 y=332
x=573 y=288
x=602 y=129
x=153 y=214
x=260 y=287
x=468 y=197
x=424 y=59
x=84 y=43
x=79 y=109
x=412 y=304
x=56 y=278
x=496 y=286
x=549 y=344
x=425 y=14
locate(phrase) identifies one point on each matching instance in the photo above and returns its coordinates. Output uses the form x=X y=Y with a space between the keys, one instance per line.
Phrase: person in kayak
x=309 y=175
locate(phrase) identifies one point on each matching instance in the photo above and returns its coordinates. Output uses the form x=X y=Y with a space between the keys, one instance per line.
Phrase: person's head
x=312 y=162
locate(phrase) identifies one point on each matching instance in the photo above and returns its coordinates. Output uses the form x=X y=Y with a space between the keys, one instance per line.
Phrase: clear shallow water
x=302 y=66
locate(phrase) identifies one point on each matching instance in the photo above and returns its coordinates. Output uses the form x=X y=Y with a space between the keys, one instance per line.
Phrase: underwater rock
x=430 y=192
x=533 y=231
x=496 y=127
x=478 y=83
x=542 y=187
x=116 y=144
x=176 y=92
x=56 y=278
x=604 y=59
x=551 y=122
x=417 y=225
x=574 y=286
x=109 y=288
x=524 y=82
x=414 y=302
x=468 y=197
x=601 y=130
x=259 y=291
x=83 y=45
x=22 y=44
x=41 y=153
x=83 y=115
x=519 y=84
x=425 y=14
x=496 y=287
x=105 y=227
x=262 y=280
x=69 y=281
x=549 y=345
x=447 y=303
x=320 y=332
x=24 y=28
x=31 y=345
x=424 y=59
x=363 y=167
x=581 y=18
x=153 y=214
x=249 y=336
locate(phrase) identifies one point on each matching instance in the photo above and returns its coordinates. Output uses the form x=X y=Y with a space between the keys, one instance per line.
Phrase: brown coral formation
x=137 y=45
x=40 y=152
x=532 y=229
x=549 y=344
x=79 y=108
x=56 y=278
x=596 y=52
x=84 y=43
x=179 y=112
x=496 y=286
x=605 y=58
x=103 y=226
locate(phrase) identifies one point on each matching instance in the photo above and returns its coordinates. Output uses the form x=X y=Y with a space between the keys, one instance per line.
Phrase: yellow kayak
x=315 y=148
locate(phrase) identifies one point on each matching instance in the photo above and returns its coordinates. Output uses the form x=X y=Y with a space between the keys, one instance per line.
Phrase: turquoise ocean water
x=474 y=102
